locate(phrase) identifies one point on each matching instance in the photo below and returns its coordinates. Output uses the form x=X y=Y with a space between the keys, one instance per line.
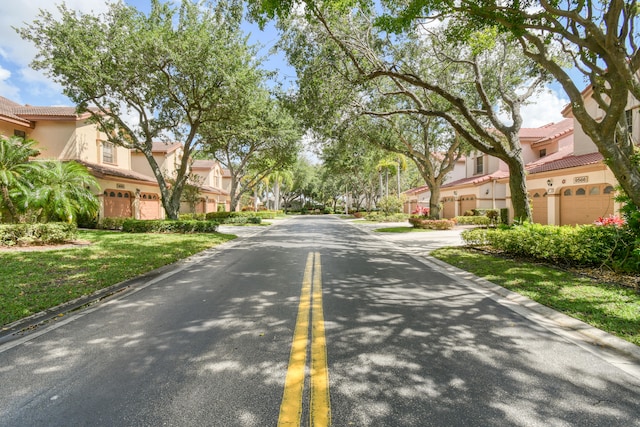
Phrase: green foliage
x=177 y=66
x=472 y=220
x=36 y=234
x=111 y=223
x=583 y=245
x=62 y=191
x=247 y=217
x=15 y=169
x=35 y=281
x=614 y=309
x=391 y=205
x=193 y=216
x=432 y=224
x=383 y=217
x=169 y=226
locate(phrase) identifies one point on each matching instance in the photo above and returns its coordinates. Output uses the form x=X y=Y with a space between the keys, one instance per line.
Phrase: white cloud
x=6 y=88
x=21 y=13
x=545 y=107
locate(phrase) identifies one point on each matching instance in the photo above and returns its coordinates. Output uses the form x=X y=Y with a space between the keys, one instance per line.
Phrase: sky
x=21 y=84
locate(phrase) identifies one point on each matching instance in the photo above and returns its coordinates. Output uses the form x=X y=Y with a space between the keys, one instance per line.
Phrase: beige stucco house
x=568 y=182
x=62 y=134
x=128 y=187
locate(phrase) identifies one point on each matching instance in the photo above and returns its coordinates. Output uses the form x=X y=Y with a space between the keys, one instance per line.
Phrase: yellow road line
x=310 y=308
x=291 y=406
x=320 y=407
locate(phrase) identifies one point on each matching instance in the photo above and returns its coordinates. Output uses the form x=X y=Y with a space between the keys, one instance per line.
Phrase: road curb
x=617 y=351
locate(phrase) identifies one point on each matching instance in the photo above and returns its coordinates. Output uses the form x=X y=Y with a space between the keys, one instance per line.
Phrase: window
x=108 y=152
x=594 y=191
x=581 y=192
x=608 y=189
x=19 y=133
x=629 y=116
x=543 y=152
x=479 y=165
x=568 y=192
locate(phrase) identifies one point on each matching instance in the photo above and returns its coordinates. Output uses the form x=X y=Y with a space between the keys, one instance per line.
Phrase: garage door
x=149 y=206
x=117 y=204
x=448 y=207
x=467 y=203
x=584 y=204
x=538 y=200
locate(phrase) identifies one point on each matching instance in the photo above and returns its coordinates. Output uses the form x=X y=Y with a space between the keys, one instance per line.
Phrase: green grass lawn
x=34 y=281
x=612 y=308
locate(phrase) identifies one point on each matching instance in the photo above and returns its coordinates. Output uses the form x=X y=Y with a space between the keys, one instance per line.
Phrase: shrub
x=472 y=220
x=193 y=216
x=111 y=223
x=432 y=224
x=504 y=216
x=239 y=217
x=581 y=245
x=382 y=217
x=37 y=234
x=169 y=226
x=391 y=204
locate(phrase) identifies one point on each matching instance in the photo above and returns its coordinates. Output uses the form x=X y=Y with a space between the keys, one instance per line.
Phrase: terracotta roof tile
x=569 y=161
x=165 y=147
x=120 y=173
x=203 y=164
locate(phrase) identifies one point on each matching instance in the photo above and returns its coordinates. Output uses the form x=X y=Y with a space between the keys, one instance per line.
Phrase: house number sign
x=580 y=179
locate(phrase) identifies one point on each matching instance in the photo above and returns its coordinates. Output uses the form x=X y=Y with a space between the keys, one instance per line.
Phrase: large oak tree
x=171 y=69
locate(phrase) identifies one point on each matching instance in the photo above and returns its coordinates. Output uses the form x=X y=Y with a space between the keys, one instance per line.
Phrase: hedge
x=381 y=217
x=231 y=217
x=431 y=224
x=472 y=220
x=169 y=226
x=37 y=234
x=582 y=245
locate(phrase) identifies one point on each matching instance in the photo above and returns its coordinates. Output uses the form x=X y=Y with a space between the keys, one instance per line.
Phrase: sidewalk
x=419 y=243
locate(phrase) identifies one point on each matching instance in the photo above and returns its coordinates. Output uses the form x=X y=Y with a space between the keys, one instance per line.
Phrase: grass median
x=609 y=307
x=33 y=281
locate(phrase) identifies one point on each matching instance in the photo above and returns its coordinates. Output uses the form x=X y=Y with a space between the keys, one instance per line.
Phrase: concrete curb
x=26 y=326
x=616 y=351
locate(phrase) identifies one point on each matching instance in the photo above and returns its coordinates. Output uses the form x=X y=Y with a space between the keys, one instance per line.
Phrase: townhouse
x=567 y=180
x=128 y=187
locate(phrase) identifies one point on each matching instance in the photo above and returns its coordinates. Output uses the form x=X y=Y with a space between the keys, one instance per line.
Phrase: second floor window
x=479 y=165
x=108 y=153
x=543 y=152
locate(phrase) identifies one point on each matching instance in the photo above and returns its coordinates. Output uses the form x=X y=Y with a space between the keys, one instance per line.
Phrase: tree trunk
x=518 y=187
x=276 y=195
x=434 y=201
x=9 y=203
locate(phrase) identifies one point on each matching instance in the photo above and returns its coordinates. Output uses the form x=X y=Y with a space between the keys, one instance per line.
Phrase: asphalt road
x=406 y=344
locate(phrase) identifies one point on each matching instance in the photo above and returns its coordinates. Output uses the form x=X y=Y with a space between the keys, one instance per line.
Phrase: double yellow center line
x=310 y=309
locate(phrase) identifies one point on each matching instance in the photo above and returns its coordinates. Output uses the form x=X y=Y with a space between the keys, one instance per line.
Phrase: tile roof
x=547 y=132
x=569 y=161
x=477 y=179
x=120 y=173
x=28 y=113
x=214 y=190
x=165 y=147
x=203 y=164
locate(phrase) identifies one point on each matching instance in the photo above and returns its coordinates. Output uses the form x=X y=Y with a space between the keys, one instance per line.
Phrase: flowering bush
x=611 y=220
x=421 y=211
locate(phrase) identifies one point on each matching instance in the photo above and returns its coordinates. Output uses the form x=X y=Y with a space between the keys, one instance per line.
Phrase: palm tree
x=63 y=191
x=14 y=169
